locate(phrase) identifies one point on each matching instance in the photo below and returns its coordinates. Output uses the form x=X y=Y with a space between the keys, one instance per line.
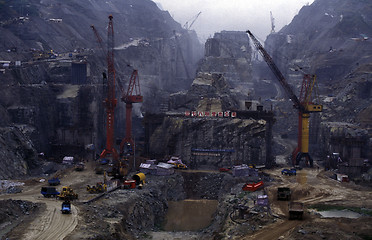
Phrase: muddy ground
x=138 y=214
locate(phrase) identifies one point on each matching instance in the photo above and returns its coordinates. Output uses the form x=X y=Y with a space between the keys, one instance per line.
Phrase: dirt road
x=310 y=186
x=51 y=224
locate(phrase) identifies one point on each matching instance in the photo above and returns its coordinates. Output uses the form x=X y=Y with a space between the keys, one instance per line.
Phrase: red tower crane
x=110 y=101
x=303 y=105
x=132 y=95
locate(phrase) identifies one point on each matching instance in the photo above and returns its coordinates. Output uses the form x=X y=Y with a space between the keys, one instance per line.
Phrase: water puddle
x=189 y=215
x=339 y=214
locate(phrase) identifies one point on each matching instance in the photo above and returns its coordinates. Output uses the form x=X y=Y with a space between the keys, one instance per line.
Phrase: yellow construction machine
x=67 y=194
x=100 y=187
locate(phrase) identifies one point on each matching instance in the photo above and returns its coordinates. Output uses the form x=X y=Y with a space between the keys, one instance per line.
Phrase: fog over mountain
x=218 y=15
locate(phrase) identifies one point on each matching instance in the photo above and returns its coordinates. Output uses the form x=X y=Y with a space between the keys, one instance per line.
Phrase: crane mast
x=133 y=95
x=303 y=105
x=110 y=101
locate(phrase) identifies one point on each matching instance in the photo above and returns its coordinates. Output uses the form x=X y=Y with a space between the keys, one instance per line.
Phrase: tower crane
x=132 y=95
x=303 y=104
x=110 y=101
x=187 y=26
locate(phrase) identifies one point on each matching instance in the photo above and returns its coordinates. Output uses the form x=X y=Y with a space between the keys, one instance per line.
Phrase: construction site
x=125 y=126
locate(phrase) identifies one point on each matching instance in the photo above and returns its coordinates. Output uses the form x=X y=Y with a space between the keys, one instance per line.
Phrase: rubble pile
x=13 y=212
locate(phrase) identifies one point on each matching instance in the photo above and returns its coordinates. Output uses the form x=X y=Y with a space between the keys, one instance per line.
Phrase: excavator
x=303 y=105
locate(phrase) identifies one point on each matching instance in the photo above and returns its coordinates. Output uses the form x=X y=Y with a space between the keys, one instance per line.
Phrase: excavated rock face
x=226 y=140
x=228 y=53
x=13 y=147
x=239 y=141
x=209 y=92
x=57 y=102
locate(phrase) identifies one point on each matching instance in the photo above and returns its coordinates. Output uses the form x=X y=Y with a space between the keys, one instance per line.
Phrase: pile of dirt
x=13 y=212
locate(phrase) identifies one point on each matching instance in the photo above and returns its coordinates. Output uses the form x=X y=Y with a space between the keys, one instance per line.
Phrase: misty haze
x=140 y=119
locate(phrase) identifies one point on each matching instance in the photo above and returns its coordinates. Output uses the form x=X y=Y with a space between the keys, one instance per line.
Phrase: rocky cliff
x=52 y=87
x=330 y=39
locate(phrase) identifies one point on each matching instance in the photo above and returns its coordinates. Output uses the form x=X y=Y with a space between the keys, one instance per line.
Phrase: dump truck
x=49 y=192
x=296 y=210
x=54 y=181
x=284 y=193
x=67 y=194
x=66 y=207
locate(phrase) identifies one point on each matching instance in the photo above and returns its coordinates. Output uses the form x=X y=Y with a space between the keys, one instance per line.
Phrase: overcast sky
x=240 y=15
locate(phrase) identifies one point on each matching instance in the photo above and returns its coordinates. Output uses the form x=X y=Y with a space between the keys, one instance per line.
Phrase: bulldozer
x=67 y=194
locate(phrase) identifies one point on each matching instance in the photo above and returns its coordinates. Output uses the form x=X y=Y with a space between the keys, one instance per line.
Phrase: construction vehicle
x=284 y=193
x=289 y=172
x=49 y=192
x=119 y=169
x=66 y=207
x=303 y=105
x=67 y=194
x=296 y=210
x=54 y=181
x=100 y=187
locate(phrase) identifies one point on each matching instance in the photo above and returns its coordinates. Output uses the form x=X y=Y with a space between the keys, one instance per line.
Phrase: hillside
x=53 y=98
x=328 y=38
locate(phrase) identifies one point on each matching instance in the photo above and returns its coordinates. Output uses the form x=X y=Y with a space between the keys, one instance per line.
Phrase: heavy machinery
x=303 y=105
x=110 y=101
x=187 y=26
x=66 y=207
x=67 y=194
x=119 y=167
x=296 y=210
x=132 y=95
x=100 y=187
x=49 y=192
x=289 y=172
